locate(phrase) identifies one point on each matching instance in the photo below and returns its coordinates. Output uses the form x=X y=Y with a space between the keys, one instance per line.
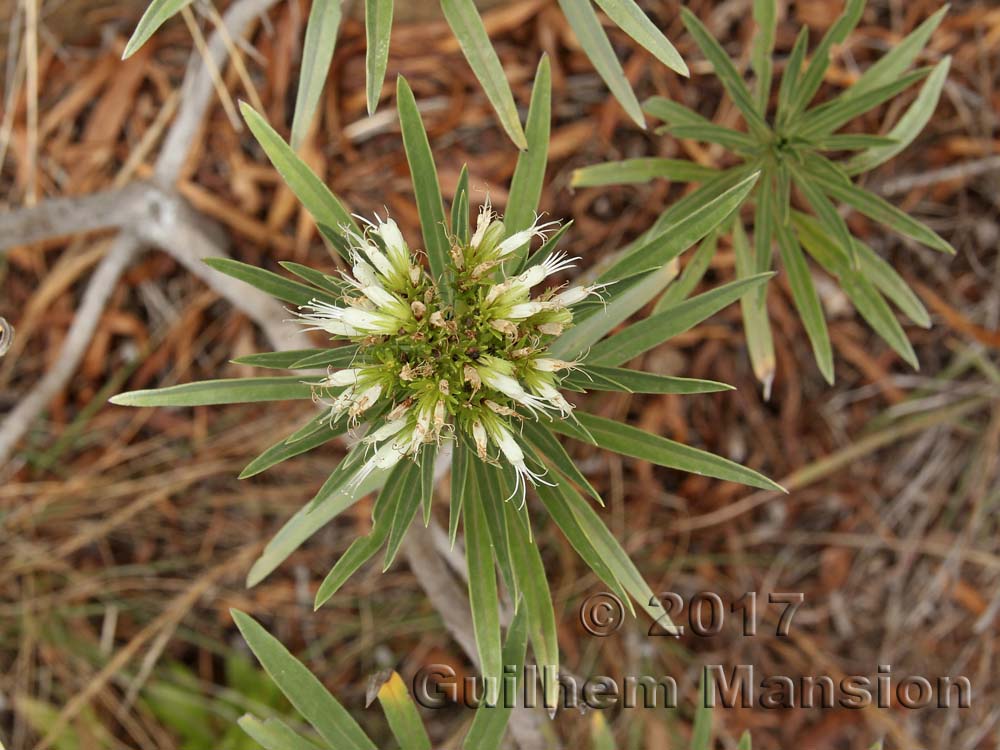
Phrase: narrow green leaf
x=630 y=441
x=837 y=112
x=271 y=283
x=874 y=309
x=806 y=300
x=307 y=521
x=427 y=461
x=461 y=483
x=826 y=212
x=745 y=741
x=891 y=284
x=341 y=356
x=274 y=734
x=425 y=184
x=401 y=712
x=460 y=207
x=644 y=169
x=378 y=29
x=483 y=597
x=753 y=305
x=765 y=15
x=322 y=430
x=909 y=126
x=883 y=212
x=853 y=142
x=632 y=296
x=279 y=360
x=791 y=76
x=324 y=206
x=686 y=232
x=529 y=172
x=468 y=28
x=734 y=140
x=593 y=378
x=360 y=551
x=596 y=45
x=330 y=719
x=631 y=19
x=493 y=490
x=654 y=330
x=157 y=13
x=900 y=56
x=317 y=53
x=545 y=443
x=701 y=732
x=806 y=88
x=536 y=599
x=212 y=392
x=406 y=479
x=693 y=273
x=323 y=281
x=727 y=74
x=672 y=113
x=489 y=724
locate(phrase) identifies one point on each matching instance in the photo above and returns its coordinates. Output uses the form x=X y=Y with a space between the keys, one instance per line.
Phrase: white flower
x=504 y=438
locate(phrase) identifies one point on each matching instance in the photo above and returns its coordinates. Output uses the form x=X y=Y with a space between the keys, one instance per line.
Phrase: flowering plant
x=793 y=150
x=463 y=355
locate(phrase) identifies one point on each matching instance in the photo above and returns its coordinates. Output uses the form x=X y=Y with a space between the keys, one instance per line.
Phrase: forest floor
x=125 y=535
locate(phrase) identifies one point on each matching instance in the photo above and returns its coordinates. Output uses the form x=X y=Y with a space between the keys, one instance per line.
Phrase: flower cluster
x=473 y=360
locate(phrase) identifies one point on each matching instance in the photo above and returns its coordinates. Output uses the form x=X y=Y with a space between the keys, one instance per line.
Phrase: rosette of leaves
x=798 y=150
x=467 y=25
x=455 y=354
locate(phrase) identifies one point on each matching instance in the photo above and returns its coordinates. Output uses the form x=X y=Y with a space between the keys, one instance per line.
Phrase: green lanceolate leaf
x=672 y=113
x=322 y=281
x=631 y=297
x=307 y=521
x=701 y=732
x=546 y=444
x=401 y=712
x=853 y=142
x=468 y=28
x=826 y=212
x=645 y=169
x=425 y=184
x=490 y=722
x=891 y=284
x=529 y=172
x=460 y=207
x=753 y=305
x=362 y=549
x=427 y=461
x=341 y=356
x=791 y=78
x=630 y=441
x=634 y=22
x=745 y=742
x=274 y=734
x=909 y=126
x=654 y=330
x=324 y=206
x=405 y=481
x=279 y=360
x=806 y=299
x=595 y=378
x=889 y=67
x=734 y=140
x=493 y=489
x=874 y=309
x=461 y=483
x=271 y=283
x=587 y=27
x=158 y=13
x=326 y=715
x=317 y=52
x=885 y=213
x=483 y=596
x=683 y=234
x=727 y=74
x=378 y=29
x=536 y=599
x=765 y=15
x=320 y=430
x=693 y=273
x=213 y=392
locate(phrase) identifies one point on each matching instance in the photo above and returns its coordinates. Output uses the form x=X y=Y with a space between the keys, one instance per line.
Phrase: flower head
x=475 y=365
